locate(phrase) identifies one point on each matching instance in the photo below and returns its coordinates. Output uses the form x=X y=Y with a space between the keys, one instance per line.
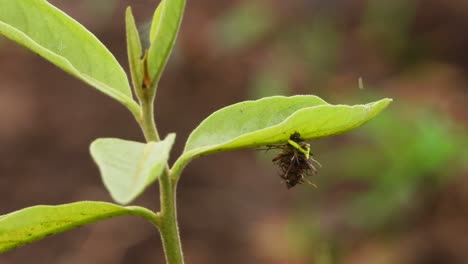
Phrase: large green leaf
x=37 y=222
x=47 y=31
x=164 y=29
x=273 y=120
x=128 y=167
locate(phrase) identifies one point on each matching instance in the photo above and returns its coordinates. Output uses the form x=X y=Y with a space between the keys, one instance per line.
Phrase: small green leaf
x=134 y=49
x=156 y=20
x=272 y=120
x=37 y=222
x=164 y=29
x=128 y=167
x=47 y=31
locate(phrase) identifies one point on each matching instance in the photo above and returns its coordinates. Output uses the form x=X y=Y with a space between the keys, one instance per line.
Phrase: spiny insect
x=295 y=161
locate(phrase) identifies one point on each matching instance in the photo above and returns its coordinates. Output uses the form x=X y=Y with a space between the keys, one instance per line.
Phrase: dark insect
x=295 y=161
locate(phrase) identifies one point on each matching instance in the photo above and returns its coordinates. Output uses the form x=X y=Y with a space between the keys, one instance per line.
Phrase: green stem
x=168 y=225
x=167 y=217
x=146 y=213
x=147 y=120
x=179 y=165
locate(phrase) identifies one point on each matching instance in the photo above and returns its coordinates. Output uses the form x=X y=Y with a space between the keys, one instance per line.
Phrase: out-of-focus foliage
x=405 y=151
x=386 y=24
x=244 y=25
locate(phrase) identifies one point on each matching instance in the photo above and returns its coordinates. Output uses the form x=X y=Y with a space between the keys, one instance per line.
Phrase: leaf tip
x=170 y=137
x=382 y=104
x=387 y=100
x=94 y=145
x=128 y=10
x=129 y=15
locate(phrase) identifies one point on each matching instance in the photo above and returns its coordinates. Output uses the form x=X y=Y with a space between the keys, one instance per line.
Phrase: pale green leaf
x=165 y=26
x=273 y=120
x=128 y=167
x=134 y=49
x=156 y=20
x=37 y=222
x=47 y=31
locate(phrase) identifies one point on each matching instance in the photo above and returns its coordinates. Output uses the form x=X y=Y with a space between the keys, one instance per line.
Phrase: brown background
x=232 y=206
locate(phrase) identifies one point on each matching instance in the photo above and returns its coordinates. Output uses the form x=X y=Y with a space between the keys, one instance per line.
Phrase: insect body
x=295 y=161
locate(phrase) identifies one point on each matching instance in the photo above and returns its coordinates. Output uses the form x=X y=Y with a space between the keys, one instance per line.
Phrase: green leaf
x=164 y=29
x=156 y=20
x=37 y=222
x=272 y=120
x=134 y=49
x=47 y=31
x=128 y=167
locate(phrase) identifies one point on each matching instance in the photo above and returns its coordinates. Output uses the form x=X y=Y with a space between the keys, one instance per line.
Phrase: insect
x=295 y=161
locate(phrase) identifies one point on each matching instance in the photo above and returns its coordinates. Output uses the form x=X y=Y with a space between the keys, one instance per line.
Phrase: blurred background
x=392 y=191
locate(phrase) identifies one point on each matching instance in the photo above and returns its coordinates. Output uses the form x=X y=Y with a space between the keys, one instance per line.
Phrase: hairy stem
x=168 y=226
x=167 y=217
x=147 y=119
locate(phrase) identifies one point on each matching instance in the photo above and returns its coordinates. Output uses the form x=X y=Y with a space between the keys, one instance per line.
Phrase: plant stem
x=168 y=226
x=147 y=120
x=167 y=220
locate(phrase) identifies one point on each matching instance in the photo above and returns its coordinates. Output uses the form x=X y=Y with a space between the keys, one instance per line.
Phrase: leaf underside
x=273 y=120
x=47 y=31
x=128 y=167
x=37 y=222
